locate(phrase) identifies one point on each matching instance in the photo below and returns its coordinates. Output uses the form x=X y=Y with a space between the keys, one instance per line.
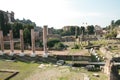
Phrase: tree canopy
x=117 y=23
x=90 y=29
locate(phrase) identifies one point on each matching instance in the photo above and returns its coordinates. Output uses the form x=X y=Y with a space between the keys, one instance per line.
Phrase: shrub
x=39 y=43
x=59 y=46
x=51 y=42
x=76 y=46
x=112 y=34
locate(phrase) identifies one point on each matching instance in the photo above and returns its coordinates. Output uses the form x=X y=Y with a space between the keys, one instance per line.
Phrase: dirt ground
x=64 y=52
x=55 y=73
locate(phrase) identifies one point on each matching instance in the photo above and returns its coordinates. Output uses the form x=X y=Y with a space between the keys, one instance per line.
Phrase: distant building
x=66 y=28
x=98 y=30
x=39 y=33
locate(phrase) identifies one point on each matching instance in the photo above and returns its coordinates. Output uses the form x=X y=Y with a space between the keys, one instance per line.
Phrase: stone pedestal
x=1 y=43
x=21 y=43
x=33 y=43
x=11 y=43
x=45 y=54
x=33 y=54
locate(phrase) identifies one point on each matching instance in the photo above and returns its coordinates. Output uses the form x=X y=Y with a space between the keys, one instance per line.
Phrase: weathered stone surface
x=1 y=43
x=11 y=43
x=33 y=43
x=45 y=54
x=21 y=43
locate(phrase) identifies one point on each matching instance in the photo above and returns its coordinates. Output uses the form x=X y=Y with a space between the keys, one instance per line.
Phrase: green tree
x=90 y=29
x=78 y=30
x=27 y=36
x=58 y=31
x=82 y=30
x=65 y=33
x=72 y=30
x=112 y=23
x=76 y=46
x=3 y=23
x=16 y=28
x=117 y=23
x=112 y=34
x=8 y=27
x=26 y=22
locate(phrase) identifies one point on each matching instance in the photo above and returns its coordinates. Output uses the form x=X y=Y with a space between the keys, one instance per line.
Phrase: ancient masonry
x=45 y=54
x=21 y=43
x=33 y=54
x=111 y=70
x=1 y=42
x=33 y=42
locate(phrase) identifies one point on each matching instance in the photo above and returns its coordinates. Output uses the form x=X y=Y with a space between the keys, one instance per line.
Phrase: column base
x=11 y=53
x=45 y=55
x=21 y=54
x=32 y=54
x=1 y=52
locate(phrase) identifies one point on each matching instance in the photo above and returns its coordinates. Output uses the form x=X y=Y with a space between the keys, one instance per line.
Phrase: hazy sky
x=58 y=13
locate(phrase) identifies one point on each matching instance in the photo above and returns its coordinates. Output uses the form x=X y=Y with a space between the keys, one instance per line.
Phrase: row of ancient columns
x=33 y=54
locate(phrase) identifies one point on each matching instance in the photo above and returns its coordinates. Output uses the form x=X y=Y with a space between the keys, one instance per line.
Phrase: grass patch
x=74 y=51
x=102 y=76
x=63 y=78
x=4 y=75
x=25 y=69
x=7 y=74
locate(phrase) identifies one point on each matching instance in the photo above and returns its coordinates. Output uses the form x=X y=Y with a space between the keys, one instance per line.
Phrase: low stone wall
x=73 y=57
x=51 y=59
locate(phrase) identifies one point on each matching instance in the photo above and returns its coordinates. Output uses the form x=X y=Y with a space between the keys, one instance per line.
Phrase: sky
x=59 y=13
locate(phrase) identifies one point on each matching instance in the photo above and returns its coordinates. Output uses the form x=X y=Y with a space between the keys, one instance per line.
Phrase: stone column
x=21 y=43
x=45 y=54
x=33 y=43
x=11 y=43
x=1 y=43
